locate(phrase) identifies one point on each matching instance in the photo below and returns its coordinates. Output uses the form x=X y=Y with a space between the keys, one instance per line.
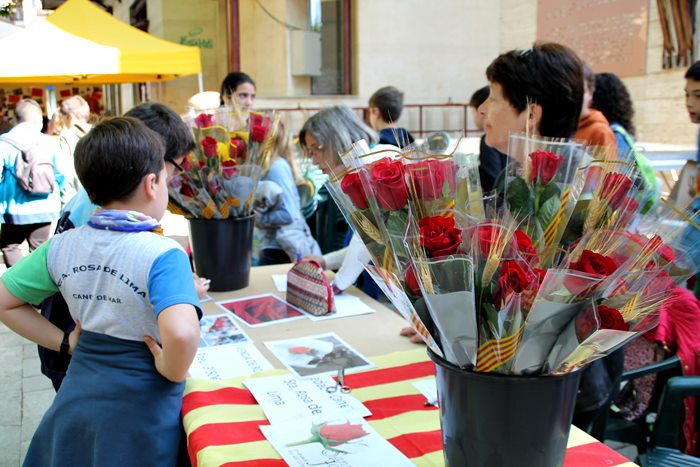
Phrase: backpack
x=34 y=168
x=646 y=171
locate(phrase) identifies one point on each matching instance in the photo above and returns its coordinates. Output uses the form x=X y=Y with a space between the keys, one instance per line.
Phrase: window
x=335 y=49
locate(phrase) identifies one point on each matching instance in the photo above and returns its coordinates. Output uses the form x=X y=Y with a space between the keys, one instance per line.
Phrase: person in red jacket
x=593 y=127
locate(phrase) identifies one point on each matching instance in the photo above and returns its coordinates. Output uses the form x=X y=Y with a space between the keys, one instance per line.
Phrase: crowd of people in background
x=545 y=90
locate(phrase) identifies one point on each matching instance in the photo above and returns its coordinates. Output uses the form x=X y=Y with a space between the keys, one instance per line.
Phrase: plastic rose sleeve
x=539 y=188
x=349 y=194
x=562 y=295
x=447 y=288
x=444 y=279
x=391 y=286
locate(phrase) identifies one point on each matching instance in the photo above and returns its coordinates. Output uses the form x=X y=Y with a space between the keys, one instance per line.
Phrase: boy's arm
x=17 y=315
x=29 y=281
x=174 y=299
x=179 y=333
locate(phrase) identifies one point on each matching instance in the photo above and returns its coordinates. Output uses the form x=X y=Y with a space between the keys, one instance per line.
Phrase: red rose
x=201 y=164
x=513 y=278
x=336 y=435
x=412 y=281
x=209 y=144
x=525 y=244
x=258 y=133
x=255 y=120
x=387 y=178
x=590 y=263
x=427 y=179
x=615 y=188
x=541 y=274
x=610 y=318
x=544 y=166
x=629 y=208
x=594 y=263
x=237 y=149
x=186 y=190
x=665 y=251
x=352 y=186
x=186 y=164
x=439 y=236
x=299 y=350
x=228 y=168
x=487 y=235
x=204 y=120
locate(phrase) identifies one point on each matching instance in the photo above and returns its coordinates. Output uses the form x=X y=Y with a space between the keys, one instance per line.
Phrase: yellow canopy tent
x=82 y=44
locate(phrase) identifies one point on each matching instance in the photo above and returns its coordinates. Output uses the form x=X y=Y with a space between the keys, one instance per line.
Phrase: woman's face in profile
x=500 y=118
x=244 y=94
x=320 y=155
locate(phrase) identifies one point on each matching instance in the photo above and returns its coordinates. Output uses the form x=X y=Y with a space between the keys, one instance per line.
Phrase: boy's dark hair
x=613 y=100
x=479 y=97
x=112 y=159
x=548 y=74
x=693 y=72
x=177 y=138
x=389 y=101
x=589 y=77
x=232 y=80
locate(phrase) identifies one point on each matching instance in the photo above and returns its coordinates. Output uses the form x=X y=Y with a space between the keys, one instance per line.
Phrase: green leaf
x=574 y=228
x=396 y=225
x=547 y=211
x=491 y=313
x=519 y=197
x=550 y=190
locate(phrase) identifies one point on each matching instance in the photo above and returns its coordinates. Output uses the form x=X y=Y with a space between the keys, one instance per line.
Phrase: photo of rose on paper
x=261 y=310
x=347 y=441
x=322 y=354
x=220 y=330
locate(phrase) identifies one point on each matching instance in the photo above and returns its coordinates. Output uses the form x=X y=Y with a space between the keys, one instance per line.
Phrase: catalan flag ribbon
x=222 y=419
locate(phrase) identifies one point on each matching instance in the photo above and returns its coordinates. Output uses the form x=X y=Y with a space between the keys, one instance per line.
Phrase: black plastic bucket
x=223 y=251
x=491 y=420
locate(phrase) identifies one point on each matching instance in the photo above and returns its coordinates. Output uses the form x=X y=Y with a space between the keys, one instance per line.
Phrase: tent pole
x=200 y=81
x=50 y=101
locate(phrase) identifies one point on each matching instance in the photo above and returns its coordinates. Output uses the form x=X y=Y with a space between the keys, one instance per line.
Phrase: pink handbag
x=309 y=289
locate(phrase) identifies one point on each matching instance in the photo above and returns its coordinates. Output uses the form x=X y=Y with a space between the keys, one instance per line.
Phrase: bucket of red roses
x=517 y=320
x=215 y=191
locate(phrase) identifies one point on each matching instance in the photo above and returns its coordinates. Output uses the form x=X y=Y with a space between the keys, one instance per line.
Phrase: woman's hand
x=414 y=336
x=315 y=259
x=201 y=285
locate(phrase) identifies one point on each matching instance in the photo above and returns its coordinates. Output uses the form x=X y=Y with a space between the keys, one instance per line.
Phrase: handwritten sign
x=610 y=35
x=286 y=397
x=228 y=361
x=195 y=38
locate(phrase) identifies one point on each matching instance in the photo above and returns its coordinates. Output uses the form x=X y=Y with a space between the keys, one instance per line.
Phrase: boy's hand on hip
x=73 y=337
x=157 y=352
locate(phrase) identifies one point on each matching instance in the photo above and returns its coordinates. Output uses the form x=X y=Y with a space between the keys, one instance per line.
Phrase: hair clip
x=526 y=53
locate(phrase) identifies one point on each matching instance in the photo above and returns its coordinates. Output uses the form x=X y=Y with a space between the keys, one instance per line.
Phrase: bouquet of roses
x=374 y=194
x=540 y=189
x=219 y=177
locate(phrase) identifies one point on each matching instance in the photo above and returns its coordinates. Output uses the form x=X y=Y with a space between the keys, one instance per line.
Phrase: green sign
x=195 y=38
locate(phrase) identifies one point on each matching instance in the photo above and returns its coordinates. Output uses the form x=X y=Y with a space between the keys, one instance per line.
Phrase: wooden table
x=373 y=334
x=222 y=419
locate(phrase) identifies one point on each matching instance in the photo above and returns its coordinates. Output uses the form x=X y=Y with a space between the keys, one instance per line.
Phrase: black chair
x=636 y=432
x=663 y=442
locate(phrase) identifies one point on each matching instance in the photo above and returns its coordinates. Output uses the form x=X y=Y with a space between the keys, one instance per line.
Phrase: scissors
x=340 y=383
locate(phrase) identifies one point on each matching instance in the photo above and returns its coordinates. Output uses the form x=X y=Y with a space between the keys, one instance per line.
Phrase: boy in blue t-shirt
x=132 y=292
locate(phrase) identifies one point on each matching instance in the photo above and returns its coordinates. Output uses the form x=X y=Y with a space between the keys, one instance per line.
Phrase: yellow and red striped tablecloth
x=221 y=419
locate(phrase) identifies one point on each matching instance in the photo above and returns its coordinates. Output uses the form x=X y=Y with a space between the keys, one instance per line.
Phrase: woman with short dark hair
x=541 y=87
